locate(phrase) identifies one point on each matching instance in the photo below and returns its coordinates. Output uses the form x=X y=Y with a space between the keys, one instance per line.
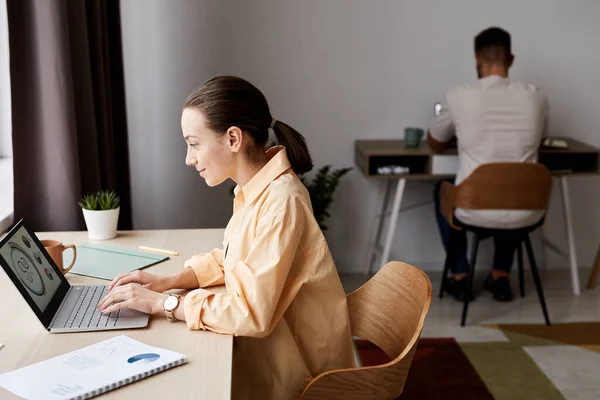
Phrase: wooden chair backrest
x=388 y=311
x=505 y=186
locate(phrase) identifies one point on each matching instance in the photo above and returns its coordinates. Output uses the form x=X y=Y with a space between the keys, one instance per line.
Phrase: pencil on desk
x=160 y=251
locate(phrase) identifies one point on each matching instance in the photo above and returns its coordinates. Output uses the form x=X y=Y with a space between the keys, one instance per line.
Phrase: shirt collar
x=278 y=164
x=492 y=79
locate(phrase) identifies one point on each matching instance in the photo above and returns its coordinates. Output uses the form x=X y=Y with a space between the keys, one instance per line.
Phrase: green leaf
x=102 y=200
x=321 y=189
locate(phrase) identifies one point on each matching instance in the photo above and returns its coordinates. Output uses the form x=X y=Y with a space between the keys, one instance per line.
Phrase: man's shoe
x=458 y=288
x=500 y=288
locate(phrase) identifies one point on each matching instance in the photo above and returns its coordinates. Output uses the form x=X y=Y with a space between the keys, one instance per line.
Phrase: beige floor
x=443 y=319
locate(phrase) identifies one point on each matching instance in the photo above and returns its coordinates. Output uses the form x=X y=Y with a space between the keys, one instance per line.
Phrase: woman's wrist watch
x=170 y=304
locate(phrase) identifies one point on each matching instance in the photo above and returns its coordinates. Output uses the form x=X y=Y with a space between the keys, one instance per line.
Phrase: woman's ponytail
x=295 y=145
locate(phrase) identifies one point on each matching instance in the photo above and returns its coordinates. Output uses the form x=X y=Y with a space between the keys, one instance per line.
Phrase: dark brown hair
x=494 y=45
x=227 y=101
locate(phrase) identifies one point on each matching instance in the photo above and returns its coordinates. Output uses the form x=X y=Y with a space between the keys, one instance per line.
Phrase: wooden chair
x=388 y=311
x=595 y=271
x=499 y=186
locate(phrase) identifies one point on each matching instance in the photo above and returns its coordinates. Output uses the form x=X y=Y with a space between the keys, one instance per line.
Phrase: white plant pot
x=101 y=225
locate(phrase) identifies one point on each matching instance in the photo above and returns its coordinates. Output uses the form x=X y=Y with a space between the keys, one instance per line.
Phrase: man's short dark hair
x=493 y=45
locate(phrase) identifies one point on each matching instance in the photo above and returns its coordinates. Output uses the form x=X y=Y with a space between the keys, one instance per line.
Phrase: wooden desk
x=207 y=375
x=579 y=159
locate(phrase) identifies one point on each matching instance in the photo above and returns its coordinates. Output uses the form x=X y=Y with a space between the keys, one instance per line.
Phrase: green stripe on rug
x=522 y=340
x=509 y=373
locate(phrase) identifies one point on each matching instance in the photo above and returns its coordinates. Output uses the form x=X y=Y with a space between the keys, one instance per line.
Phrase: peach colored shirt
x=284 y=300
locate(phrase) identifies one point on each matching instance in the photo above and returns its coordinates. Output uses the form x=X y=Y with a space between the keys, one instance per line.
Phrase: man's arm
x=441 y=131
x=436 y=146
x=545 y=114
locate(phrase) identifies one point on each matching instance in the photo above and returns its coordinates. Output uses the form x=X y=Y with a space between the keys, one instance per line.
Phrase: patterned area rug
x=530 y=362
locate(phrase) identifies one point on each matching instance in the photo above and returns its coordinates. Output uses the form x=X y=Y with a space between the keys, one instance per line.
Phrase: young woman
x=284 y=301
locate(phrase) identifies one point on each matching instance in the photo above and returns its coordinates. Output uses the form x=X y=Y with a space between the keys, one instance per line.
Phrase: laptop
x=59 y=306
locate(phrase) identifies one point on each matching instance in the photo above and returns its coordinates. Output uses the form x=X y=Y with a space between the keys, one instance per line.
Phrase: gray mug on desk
x=412 y=137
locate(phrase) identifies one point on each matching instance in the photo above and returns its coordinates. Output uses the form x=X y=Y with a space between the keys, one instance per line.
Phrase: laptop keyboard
x=86 y=315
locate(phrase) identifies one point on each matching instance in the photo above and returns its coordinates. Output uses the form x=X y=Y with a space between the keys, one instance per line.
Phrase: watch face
x=171 y=302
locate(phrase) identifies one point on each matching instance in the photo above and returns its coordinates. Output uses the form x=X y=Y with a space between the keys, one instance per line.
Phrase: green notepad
x=106 y=262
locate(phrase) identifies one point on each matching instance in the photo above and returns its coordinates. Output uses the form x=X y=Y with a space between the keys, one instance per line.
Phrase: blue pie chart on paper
x=143 y=358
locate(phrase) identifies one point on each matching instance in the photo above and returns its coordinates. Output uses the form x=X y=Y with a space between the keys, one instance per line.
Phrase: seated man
x=494 y=120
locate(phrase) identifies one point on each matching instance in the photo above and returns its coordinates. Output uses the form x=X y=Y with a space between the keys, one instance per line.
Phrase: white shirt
x=495 y=120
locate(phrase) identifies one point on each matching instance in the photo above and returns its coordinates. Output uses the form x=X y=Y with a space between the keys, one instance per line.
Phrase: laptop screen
x=32 y=270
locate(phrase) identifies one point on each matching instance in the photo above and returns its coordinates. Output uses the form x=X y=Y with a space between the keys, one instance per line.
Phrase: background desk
x=207 y=375
x=578 y=159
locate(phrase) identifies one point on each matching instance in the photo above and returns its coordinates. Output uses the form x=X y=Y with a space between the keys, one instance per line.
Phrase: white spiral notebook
x=90 y=371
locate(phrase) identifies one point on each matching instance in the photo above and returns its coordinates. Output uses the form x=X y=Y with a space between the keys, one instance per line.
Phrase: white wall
x=6 y=165
x=341 y=70
x=169 y=48
x=5 y=109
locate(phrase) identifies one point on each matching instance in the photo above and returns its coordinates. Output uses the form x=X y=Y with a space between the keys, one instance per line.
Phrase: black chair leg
x=472 y=260
x=445 y=275
x=536 y=279
x=521 y=273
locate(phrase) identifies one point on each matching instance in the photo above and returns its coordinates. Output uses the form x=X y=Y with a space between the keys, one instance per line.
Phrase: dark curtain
x=68 y=109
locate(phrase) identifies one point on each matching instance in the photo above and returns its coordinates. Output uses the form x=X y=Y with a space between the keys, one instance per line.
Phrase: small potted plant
x=321 y=189
x=101 y=214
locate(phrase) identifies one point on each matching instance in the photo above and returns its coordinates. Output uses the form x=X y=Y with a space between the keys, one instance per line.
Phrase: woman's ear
x=234 y=137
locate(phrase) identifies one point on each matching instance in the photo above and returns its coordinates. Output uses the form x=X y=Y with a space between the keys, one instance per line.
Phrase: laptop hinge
x=62 y=304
